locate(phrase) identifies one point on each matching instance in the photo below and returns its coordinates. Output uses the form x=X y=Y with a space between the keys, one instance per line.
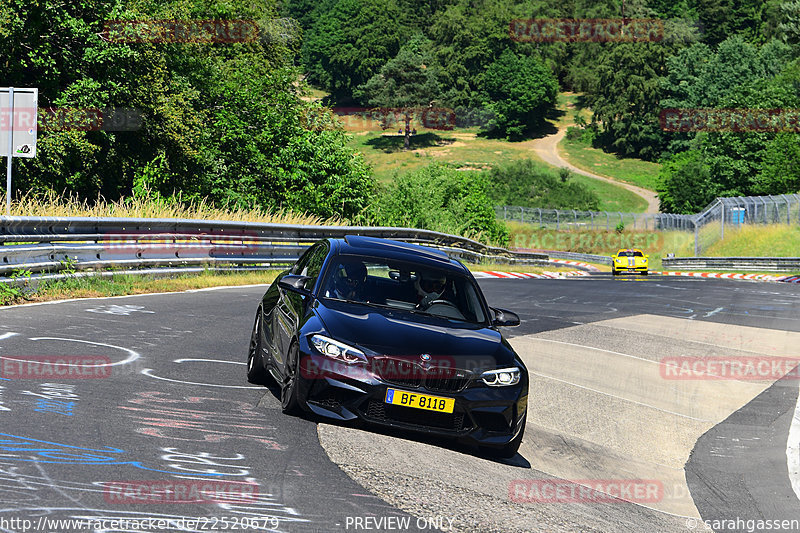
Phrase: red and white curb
x=556 y=275
x=524 y=275
x=728 y=275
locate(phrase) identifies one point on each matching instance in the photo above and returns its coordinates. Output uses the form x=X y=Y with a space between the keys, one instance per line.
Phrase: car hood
x=402 y=333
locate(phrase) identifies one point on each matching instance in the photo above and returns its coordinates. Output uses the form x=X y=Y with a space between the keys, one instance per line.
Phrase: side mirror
x=294 y=283
x=504 y=318
x=647 y=256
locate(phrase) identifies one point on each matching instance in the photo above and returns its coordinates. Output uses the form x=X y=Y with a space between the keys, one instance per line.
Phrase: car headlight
x=502 y=377
x=337 y=350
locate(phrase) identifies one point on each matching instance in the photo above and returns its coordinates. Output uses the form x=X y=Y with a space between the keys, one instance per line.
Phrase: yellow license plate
x=420 y=401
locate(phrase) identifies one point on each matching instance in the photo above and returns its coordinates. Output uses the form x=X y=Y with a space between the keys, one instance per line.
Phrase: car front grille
x=383 y=412
x=412 y=375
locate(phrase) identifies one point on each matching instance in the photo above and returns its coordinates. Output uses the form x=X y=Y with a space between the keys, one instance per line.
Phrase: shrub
x=529 y=184
x=440 y=198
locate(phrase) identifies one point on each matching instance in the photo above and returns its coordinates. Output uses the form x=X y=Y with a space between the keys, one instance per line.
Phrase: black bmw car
x=393 y=334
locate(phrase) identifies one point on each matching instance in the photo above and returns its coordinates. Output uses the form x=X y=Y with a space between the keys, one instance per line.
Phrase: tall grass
x=53 y=205
x=774 y=240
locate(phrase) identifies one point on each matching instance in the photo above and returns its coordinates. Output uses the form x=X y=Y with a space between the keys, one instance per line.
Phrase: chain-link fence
x=708 y=226
x=571 y=219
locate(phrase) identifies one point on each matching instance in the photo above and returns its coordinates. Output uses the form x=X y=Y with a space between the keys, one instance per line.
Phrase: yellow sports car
x=629 y=260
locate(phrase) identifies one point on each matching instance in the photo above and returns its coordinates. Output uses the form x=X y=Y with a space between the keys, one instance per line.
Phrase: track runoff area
x=656 y=404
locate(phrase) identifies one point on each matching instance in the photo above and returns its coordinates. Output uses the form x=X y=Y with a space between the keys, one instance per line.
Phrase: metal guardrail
x=47 y=245
x=575 y=256
x=752 y=264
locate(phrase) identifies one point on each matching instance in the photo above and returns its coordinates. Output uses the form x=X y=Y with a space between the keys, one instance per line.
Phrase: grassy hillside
x=635 y=171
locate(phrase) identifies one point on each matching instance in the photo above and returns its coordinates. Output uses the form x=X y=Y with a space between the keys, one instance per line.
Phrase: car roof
x=391 y=249
x=628 y=250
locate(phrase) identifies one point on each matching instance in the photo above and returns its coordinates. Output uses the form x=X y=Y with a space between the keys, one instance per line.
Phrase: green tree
x=409 y=81
x=627 y=99
x=222 y=121
x=520 y=91
x=686 y=185
x=722 y=19
x=789 y=27
x=780 y=168
x=350 y=41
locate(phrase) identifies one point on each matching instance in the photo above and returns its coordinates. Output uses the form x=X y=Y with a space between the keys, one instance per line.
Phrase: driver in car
x=350 y=281
x=430 y=287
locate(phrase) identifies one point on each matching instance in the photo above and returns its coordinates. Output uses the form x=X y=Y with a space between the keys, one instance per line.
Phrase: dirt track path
x=547 y=149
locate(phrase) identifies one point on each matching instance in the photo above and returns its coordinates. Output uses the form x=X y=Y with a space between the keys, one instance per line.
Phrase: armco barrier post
x=788 y=208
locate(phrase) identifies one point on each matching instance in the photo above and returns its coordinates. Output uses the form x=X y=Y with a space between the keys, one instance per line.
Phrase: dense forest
x=735 y=54
x=229 y=121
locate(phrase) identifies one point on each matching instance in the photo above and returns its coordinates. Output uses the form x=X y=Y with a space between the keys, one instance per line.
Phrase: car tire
x=256 y=373
x=509 y=450
x=290 y=395
x=614 y=271
x=645 y=272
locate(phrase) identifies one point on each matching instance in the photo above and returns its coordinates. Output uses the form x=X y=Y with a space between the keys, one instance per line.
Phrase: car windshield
x=403 y=285
x=629 y=253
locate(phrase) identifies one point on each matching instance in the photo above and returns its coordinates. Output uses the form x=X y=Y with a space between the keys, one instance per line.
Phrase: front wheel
x=255 y=363
x=614 y=271
x=290 y=396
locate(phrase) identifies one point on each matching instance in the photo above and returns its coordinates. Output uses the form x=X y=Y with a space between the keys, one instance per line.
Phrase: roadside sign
x=18 y=119
x=25 y=117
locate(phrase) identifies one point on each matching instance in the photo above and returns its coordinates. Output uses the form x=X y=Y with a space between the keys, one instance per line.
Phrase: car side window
x=301 y=263
x=311 y=264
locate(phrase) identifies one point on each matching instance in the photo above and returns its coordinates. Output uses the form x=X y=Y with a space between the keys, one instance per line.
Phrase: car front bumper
x=483 y=415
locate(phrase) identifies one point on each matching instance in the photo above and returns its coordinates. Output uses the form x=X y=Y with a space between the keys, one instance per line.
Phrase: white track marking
x=793 y=450
x=210 y=361
x=7 y=335
x=621 y=398
x=133 y=356
x=149 y=373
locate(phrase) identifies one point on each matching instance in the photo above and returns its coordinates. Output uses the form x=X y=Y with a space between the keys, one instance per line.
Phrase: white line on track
x=210 y=361
x=597 y=349
x=622 y=398
x=132 y=355
x=149 y=373
x=793 y=450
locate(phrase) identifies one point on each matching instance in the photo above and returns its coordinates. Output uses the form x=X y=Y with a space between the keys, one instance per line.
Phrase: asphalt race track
x=157 y=428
